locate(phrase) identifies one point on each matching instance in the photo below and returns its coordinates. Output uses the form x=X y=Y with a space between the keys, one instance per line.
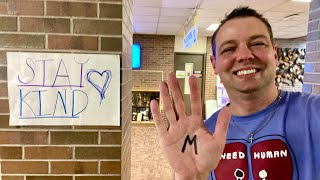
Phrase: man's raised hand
x=191 y=150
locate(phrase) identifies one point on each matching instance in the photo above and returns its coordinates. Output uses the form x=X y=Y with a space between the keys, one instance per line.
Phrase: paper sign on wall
x=63 y=89
x=189 y=72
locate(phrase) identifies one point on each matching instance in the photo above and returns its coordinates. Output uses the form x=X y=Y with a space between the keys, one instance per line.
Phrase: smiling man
x=264 y=133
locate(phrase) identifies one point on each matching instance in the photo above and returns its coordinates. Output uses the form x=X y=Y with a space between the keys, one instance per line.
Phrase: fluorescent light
x=302 y=0
x=212 y=27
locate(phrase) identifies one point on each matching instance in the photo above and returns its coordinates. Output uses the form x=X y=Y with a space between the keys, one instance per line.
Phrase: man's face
x=246 y=59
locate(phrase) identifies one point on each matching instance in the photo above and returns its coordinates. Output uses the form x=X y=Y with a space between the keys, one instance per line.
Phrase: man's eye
x=258 y=44
x=227 y=49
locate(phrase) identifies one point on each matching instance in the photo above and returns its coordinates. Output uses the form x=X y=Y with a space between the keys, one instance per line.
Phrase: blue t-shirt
x=286 y=148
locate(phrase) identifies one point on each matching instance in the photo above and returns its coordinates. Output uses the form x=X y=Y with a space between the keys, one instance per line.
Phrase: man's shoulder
x=302 y=97
x=211 y=121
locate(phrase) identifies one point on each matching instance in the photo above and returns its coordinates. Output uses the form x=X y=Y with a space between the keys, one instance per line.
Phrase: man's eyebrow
x=258 y=36
x=228 y=42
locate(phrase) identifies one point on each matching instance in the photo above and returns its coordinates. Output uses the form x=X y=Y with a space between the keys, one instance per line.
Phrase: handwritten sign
x=63 y=89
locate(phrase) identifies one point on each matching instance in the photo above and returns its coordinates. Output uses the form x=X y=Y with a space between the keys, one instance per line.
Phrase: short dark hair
x=240 y=12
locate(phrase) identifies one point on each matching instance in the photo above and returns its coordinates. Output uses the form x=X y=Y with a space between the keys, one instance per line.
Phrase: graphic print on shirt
x=273 y=157
x=270 y=160
x=235 y=159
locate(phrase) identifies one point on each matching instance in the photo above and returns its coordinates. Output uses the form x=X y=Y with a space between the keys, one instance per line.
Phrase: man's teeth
x=245 y=72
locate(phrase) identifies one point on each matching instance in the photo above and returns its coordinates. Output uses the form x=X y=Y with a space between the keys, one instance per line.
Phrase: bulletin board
x=63 y=89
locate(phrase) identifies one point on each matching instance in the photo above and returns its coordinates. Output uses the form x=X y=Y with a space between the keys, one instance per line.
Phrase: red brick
x=111 y=10
x=23 y=137
x=103 y=27
x=110 y=167
x=72 y=9
x=49 y=178
x=3 y=73
x=3 y=8
x=98 y=178
x=98 y=152
x=3 y=57
x=24 y=167
x=73 y=42
x=12 y=177
x=22 y=41
x=25 y=7
x=10 y=152
x=8 y=24
x=50 y=152
x=110 y=137
x=4 y=106
x=111 y=44
x=74 y=167
x=74 y=137
x=56 y=25
x=3 y=90
x=4 y=121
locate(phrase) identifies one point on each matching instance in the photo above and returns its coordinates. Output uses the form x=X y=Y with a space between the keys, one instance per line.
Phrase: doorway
x=186 y=64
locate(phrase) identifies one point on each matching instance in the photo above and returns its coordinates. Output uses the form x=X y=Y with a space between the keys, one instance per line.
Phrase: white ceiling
x=167 y=17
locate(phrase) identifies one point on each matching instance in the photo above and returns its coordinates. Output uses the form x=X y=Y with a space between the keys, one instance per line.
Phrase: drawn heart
x=101 y=86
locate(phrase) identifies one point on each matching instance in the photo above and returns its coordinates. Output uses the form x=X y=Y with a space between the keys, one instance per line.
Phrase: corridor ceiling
x=167 y=17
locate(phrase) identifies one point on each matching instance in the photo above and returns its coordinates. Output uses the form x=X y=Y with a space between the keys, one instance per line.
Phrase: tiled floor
x=147 y=161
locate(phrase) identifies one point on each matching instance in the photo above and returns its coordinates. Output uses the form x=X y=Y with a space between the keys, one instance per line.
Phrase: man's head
x=245 y=57
x=240 y=12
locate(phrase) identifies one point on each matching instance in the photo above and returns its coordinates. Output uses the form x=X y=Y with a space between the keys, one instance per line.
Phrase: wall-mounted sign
x=180 y=74
x=188 y=72
x=63 y=89
x=222 y=95
x=191 y=37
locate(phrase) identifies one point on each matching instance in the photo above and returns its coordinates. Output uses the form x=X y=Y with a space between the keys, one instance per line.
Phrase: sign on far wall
x=63 y=89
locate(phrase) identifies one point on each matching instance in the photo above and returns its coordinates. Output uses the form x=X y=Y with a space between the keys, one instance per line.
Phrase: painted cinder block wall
x=312 y=66
x=66 y=152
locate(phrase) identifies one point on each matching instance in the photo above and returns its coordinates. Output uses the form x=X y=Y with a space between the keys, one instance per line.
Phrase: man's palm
x=191 y=150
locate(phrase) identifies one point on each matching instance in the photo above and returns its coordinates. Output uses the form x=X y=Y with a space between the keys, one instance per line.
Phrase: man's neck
x=249 y=103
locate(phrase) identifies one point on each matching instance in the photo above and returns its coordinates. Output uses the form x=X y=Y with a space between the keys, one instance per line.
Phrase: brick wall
x=312 y=66
x=211 y=78
x=66 y=152
x=157 y=54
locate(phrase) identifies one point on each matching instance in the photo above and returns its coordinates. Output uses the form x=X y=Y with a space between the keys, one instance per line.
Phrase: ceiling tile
x=182 y=12
x=262 y=5
x=276 y=14
x=292 y=5
x=172 y=14
x=146 y=18
x=169 y=25
x=220 y=4
x=146 y=11
x=168 y=30
x=166 y=19
x=180 y=3
x=145 y=24
x=209 y=13
x=148 y=3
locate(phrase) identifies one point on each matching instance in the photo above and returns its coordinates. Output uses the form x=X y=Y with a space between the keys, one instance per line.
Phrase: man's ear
x=276 y=54
x=214 y=64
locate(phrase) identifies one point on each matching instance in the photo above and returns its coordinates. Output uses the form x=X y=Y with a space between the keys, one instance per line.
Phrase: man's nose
x=244 y=53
